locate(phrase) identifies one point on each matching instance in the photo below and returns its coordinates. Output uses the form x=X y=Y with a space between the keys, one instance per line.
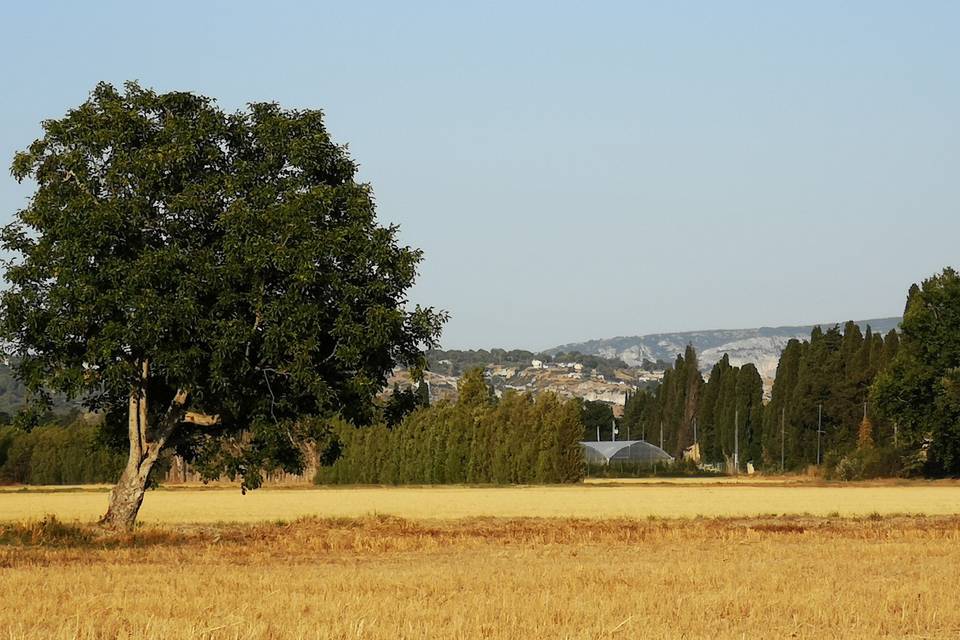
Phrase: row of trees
x=845 y=397
x=824 y=381
x=684 y=409
x=478 y=439
x=823 y=385
x=73 y=454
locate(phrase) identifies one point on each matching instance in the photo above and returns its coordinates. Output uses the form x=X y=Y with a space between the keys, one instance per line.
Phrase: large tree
x=920 y=389
x=209 y=281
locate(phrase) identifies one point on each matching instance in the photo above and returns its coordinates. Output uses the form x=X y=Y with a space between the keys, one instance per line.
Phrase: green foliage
x=236 y=255
x=640 y=410
x=456 y=362
x=518 y=439
x=473 y=390
x=402 y=402
x=55 y=454
x=920 y=389
x=866 y=463
x=598 y=418
x=829 y=377
x=731 y=413
x=677 y=401
x=604 y=366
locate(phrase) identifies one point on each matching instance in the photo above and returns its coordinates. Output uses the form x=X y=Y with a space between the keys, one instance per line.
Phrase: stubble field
x=590 y=562
x=682 y=498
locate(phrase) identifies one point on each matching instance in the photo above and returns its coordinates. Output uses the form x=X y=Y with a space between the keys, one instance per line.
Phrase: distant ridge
x=761 y=346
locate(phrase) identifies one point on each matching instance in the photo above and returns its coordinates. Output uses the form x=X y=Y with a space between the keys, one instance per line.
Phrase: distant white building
x=537 y=364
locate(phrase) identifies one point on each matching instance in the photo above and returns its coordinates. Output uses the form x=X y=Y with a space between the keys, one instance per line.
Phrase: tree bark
x=127 y=495
x=126 y=498
x=146 y=443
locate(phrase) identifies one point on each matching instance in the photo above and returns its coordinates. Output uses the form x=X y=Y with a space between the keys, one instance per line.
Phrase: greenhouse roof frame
x=626 y=450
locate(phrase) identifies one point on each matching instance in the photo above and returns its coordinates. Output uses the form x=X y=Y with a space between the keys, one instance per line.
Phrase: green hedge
x=57 y=455
x=516 y=440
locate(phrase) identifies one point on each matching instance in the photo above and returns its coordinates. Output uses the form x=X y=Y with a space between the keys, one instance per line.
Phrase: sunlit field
x=663 y=559
x=666 y=499
x=380 y=578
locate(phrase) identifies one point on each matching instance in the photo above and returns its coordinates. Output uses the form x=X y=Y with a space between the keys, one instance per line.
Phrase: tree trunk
x=126 y=497
x=146 y=443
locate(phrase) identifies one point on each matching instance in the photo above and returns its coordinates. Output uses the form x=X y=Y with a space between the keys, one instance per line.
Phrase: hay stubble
x=382 y=577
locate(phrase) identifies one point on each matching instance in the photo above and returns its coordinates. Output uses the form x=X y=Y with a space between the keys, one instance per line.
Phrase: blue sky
x=579 y=170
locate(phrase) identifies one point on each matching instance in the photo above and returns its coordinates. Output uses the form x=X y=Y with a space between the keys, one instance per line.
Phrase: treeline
x=857 y=403
x=478 y=439
x=57 y=454
x=824 y=384
x=824 y=381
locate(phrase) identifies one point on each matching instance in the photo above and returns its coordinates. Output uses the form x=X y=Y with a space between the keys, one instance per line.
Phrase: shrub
x=865 y=463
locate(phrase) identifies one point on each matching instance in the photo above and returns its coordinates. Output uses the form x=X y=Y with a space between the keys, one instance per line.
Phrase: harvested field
x=385 y=577
x=674 y=499
x=672 y=559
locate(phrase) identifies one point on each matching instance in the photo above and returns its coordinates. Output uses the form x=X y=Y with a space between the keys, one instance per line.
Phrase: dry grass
x=631 y=500
x=596 y=561
x=385 y=577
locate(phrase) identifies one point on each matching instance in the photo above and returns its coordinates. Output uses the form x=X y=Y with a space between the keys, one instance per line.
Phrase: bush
x=865 y=463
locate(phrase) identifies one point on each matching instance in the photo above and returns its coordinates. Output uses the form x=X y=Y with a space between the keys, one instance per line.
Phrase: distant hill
x=13 y=396
x=760 y=346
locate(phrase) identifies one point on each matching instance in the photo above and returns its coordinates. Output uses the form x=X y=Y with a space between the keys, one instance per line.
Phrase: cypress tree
x=750 y=404
x=692 y=386
x=780 y=436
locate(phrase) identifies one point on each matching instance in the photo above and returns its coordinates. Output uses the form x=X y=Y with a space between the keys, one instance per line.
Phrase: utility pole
x=736 y=441
x=819 y=429
x=894 y=434
x=613 y=430
x=694 y=431
x=661 y=434
x=598 y=433
x=783 y=414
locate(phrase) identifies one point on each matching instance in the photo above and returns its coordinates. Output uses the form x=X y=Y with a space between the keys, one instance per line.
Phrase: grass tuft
x=48 y=531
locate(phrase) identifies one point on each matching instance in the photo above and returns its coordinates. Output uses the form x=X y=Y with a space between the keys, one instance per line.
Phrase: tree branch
x=142 y=400
x=201 y=419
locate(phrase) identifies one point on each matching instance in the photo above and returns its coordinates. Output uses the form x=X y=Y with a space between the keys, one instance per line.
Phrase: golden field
x=606 y=560
x=380 y=578
x=664 y=499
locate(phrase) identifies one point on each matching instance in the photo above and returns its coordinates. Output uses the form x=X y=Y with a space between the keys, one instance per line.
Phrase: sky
x=578 y=170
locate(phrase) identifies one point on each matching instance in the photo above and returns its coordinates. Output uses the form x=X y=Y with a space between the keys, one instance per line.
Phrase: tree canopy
x=208 y=280
x=920 y=389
